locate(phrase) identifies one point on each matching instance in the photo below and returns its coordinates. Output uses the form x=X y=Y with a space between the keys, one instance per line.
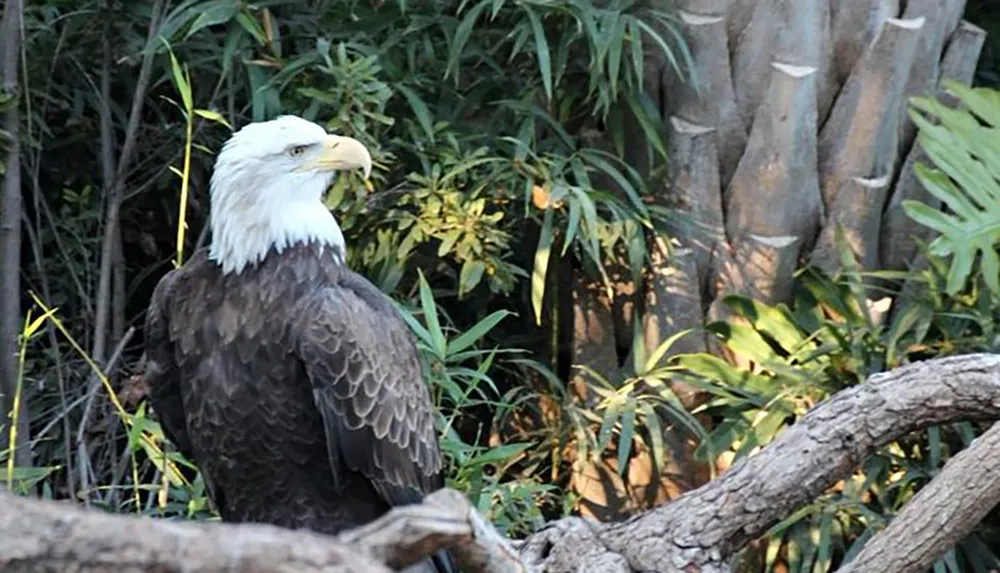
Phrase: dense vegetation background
x=498 y=131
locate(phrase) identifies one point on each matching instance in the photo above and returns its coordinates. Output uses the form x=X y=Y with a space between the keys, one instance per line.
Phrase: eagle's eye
x=297 y=150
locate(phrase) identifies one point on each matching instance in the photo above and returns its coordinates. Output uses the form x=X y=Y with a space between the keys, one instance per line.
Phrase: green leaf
x=747 y=342
x=571 y=227
x=615 y=46
x=620 y=179
x=635 y=41
x=538 y=275
x=180 y=79
x=657 y=354
x=609 y=419
x=247 y=21
x=542 y=51
x=212 y=116
x=771 y=320
x=626 y=437
x=500 y=453
x=212 y=16
x=462 y=34
x=30 y=329
x=479 y=330
x=419 y=110
x=469 y=277
x=648 y=121
x=439 y=343
x=652 y=421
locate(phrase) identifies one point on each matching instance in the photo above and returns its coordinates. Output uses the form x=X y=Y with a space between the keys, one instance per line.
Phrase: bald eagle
x=291 y=381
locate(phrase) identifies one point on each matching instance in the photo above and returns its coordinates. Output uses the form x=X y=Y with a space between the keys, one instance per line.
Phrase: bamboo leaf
x=427 y=304
x=214 y=15
x=626 y=437
x=542 y=254
x=542 y=51
x=420 y=110
x=212 y=116
x=479 y=330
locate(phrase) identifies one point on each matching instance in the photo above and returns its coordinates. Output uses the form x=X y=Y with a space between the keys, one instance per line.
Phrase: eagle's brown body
x=296 y=388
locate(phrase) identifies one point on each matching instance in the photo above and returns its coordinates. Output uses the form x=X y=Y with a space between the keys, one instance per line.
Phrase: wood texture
x=712 y=102
x=700 y=531
x=941 y=514
x=44 y=536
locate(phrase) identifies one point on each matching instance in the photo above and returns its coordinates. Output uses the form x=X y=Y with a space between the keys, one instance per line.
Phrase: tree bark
x=699 y=532
x=702 y=530
x=941 y=514
x=43 y=536
x=10 y=240
x=806 y=103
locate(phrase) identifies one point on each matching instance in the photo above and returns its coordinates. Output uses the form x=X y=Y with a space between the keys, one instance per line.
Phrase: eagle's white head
x=267 y=189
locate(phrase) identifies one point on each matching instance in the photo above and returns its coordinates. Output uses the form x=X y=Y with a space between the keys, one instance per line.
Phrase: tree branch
x=705 y=527
x=940 y=515
x=700 y=531
x=46 y=536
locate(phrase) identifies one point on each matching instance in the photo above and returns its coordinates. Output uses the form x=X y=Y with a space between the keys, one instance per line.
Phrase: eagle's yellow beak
x=340 y=153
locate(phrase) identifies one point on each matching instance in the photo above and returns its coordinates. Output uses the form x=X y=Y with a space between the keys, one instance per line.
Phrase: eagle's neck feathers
x=253 y=213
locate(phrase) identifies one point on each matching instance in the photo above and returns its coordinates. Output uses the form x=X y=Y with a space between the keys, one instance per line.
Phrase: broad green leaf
x=657 y=354
x=620 y=179
x=635 y=41
x=748 y=343
x=469 y=277
x=500 y=453
x=652 y=421
x=646 y=117
x=771 y=320
x=571 y=227
x=616 y=42
x=608 y=420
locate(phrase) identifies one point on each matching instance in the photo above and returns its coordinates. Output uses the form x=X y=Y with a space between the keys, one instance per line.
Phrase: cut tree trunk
x=795 y=144
x=698 y=533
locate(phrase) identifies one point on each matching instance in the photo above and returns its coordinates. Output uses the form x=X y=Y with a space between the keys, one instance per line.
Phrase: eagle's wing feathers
x=163 y=378
x=161 y=370
x=368 y=386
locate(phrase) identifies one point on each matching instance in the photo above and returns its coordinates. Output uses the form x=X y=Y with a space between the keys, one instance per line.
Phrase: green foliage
x=833 y=336
x=481 y=471
x=963 y=146
x=498 y=135
x=485 y=122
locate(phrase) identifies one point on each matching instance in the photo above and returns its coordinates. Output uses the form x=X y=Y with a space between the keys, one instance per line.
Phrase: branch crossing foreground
x=698 y=532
